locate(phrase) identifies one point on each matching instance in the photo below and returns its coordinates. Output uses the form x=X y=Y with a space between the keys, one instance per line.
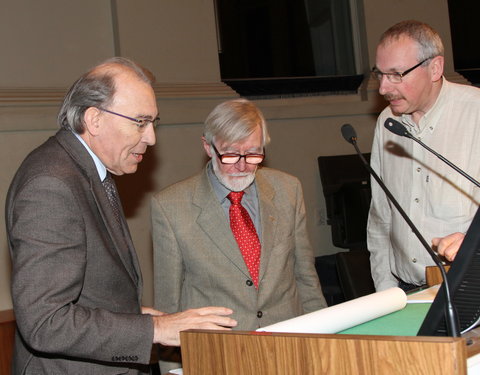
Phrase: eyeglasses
x=141 y=123
x=395 y=77
x=230 y=158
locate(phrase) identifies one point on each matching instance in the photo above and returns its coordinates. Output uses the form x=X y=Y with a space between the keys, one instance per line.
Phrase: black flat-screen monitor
x=464 y=281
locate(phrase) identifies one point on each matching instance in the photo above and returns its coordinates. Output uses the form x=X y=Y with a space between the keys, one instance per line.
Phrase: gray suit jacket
x=76 y=282
x=198 y=263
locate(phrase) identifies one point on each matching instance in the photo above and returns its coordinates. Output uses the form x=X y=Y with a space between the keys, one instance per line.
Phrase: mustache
x=390 y=97
x=239 y=174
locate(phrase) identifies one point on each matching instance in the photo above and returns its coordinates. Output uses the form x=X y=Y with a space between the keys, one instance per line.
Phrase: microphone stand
x=397 y=128
x=451 y=316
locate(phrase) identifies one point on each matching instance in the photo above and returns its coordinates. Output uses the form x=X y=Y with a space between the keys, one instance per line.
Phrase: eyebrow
x=392 y=70
x=257 y=150
x=146 y=117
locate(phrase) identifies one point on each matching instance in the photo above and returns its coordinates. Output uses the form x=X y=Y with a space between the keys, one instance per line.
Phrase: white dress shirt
x=438 y=200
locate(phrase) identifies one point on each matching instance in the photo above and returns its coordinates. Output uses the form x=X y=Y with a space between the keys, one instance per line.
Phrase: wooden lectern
x=7 y=334
x=238 y=353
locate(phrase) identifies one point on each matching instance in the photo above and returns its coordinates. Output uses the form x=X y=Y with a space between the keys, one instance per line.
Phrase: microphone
x=399 y=129
x=453 y=330
x=349 y=134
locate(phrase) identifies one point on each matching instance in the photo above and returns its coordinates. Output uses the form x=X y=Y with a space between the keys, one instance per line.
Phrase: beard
x=233 y=181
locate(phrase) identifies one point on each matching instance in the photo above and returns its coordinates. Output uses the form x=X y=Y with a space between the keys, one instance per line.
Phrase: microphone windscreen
x=396 y=127
x=349 y=133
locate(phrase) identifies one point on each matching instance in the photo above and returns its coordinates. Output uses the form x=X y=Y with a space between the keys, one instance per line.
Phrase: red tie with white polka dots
x=245 y=234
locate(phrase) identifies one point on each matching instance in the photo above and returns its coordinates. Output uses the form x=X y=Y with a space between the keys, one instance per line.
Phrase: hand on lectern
x=167 y=327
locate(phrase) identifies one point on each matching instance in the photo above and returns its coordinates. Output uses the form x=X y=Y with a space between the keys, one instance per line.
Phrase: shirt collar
x=429 y=120
x=101 y=169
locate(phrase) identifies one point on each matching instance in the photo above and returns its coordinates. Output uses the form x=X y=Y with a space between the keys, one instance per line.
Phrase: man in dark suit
x=76 y=282
x=263 y=270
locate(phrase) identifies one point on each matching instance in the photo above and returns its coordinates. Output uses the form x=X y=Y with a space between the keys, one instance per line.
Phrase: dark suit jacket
x=76 y=283
x=198 y=263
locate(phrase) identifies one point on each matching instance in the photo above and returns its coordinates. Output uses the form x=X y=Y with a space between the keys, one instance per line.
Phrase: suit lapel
x=268 y=219
x=120 y=236
x=213 y=222
x=122 y=243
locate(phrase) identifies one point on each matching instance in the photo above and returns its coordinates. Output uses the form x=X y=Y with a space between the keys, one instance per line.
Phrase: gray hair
x=429 y=41
x=233 y=121
x=96 y=88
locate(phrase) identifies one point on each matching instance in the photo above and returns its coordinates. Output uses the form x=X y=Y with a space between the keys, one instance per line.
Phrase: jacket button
x=249 y=282
x=259 y=314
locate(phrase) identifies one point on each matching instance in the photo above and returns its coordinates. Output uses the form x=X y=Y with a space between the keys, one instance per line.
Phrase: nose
x=148 y=135
x=241 y=165
x=384 y=85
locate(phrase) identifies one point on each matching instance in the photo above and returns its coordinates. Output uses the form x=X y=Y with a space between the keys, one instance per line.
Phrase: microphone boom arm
x=449 y=163
x=398 y=128
x=451 y=315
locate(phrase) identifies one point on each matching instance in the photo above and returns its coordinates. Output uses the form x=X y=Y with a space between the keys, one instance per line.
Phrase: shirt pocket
x=447 y=199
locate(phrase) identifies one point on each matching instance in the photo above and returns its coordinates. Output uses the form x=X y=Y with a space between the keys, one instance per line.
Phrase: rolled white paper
x=345 y=315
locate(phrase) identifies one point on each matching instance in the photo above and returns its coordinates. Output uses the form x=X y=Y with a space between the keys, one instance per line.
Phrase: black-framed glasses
x=231 y=158
x=395 y=77
x=141 y=123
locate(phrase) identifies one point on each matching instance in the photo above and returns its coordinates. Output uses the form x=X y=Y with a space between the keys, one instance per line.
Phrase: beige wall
x=381 y=14
x=47 y=44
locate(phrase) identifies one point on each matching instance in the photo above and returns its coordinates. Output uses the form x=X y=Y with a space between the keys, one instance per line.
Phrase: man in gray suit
x=76 y=282
x=197 y=259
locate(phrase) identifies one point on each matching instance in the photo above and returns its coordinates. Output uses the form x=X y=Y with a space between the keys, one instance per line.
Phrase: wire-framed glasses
x=141 y=123
x=395 y=77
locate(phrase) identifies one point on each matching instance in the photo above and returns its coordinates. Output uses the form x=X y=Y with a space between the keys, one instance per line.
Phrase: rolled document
x=344 y=315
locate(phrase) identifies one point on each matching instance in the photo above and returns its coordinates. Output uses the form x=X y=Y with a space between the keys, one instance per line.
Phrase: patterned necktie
x=245 y=234
x=112 y=195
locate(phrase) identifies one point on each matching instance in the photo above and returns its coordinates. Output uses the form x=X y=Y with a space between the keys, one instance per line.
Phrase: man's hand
x=151 y=311
x=167 y=327
x=448 y=246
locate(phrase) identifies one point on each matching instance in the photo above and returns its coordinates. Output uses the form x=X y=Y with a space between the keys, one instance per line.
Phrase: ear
x=436 y=68
x=91 y=119
x=206 y=147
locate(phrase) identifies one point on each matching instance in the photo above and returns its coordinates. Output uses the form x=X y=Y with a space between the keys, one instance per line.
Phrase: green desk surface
x=405 y=322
